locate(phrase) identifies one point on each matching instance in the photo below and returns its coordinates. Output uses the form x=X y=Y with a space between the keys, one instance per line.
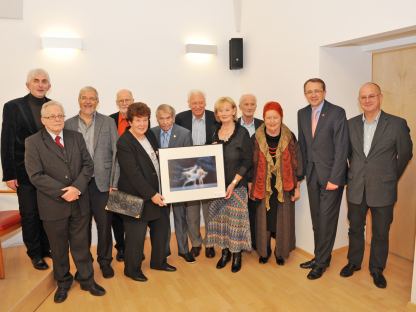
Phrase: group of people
x=63 y=172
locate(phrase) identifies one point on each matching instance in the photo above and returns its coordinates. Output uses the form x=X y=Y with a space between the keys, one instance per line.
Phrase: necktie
x=58 y=141
x=165 y=141
x=314 y=120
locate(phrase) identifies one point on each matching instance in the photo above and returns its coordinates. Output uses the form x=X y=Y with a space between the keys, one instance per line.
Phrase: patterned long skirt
x=229 y=225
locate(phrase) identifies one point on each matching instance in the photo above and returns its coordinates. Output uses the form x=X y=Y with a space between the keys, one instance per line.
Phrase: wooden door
x=395 y=72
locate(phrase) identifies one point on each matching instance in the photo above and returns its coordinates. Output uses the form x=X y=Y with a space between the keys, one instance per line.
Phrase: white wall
x=140 y=45
x=283 y=48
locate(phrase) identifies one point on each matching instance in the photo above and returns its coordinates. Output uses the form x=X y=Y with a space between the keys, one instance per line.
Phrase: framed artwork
x=192 y=173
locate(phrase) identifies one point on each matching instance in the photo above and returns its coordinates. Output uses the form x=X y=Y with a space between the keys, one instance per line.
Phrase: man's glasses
x=54 y=117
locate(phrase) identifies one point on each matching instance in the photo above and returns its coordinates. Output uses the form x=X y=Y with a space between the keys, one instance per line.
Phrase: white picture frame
x=192 y=173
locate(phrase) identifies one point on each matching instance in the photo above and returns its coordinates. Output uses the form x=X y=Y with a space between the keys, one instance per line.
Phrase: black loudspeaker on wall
x=236 y=53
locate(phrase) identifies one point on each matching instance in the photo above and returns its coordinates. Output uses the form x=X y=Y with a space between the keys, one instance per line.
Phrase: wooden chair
x=9 y=222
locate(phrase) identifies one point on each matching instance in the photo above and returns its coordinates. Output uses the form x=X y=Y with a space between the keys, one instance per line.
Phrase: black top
x=272 y=143
x=238 y=154
x=35 y=106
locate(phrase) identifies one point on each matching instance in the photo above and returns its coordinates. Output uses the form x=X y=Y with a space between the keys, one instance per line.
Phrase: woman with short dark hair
x=139 y=176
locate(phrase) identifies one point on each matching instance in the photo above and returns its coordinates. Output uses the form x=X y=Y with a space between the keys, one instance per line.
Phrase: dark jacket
x=18 y=124
x=51 y=168
x=137 y=173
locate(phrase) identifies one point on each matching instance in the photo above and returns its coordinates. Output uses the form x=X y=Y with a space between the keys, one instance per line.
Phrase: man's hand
x=71 y=193
x=12 y=184
x=331 y=187
x=296 y=195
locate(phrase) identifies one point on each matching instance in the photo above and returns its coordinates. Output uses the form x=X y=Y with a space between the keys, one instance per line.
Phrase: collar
x=53 y=135
x=242 y=122
x=319 y=107
x=169 y=132
x=375 y=119
x=202 y=118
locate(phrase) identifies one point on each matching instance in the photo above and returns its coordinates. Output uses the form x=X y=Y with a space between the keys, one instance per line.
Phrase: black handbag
x=126 y=204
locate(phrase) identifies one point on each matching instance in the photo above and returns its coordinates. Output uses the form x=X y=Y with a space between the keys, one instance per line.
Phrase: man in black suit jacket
x=21 y=118
x=323 y=141
x=60 y=167
x=380 y=149
x=124 y=98
x=201 y=122
x=248 y=105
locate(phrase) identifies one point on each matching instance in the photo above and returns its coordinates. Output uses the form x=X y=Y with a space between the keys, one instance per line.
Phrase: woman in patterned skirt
x=276 y=167
x=228 y=225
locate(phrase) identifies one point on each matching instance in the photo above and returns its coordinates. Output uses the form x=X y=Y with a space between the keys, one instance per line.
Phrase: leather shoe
x=280 y=260
x=195 y=251
x=188 y=257
x=349 y=270
x=39 y=264
x=60 y=295
x=263 y=260
x=120 y=255
x=236 y=265
x=225 y=258
x=316 y=273
x=209 y=252
x=166 y=267
x=139 y=276
x=308 y=264
x=379 y=279
x=107 y=271
x=94 y=289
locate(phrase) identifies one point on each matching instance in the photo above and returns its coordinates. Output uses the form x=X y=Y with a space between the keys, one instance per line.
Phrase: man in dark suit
x=100 y=135
x=168 y=134
x=323 y=141
x=380 y=149
x=124 y=98
x=21 y=118
x=248 y=105
x=201 y=122
x=59 y=166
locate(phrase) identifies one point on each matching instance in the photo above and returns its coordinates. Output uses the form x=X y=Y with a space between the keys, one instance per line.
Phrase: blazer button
x=66 y=177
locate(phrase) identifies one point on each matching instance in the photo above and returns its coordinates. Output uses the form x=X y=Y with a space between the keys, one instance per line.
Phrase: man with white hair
x=21 y=118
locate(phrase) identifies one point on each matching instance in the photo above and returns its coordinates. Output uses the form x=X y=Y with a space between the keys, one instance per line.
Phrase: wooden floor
x=202 y=287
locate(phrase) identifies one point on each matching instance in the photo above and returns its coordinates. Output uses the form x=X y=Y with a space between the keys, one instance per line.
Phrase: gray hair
x=86 y=89
x=167 y=109
x=195 y=92
x=247 y=95
x=37 y=71
x=49 y=104
x=124 y=90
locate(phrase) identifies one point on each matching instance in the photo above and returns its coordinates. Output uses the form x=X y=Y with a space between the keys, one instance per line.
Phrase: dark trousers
x=135 y=235
x=34 y=235
x=324 y=206
x=70 y=233
x=381 y=217
x=118 y=230
x=181 y=228
x=102 y=218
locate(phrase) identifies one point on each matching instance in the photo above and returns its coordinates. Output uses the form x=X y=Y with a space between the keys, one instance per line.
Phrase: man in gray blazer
x=168 y=134
x=380 y=149
x=323 y=141
x=100 y=135
x=59 y=166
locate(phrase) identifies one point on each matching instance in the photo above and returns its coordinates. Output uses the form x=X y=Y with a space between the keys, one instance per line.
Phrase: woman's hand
x=296 y=195
x=230 y=190
x=157 y=199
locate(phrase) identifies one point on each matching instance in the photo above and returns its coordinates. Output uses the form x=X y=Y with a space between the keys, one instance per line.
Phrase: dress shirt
x=199 y=135
x=369 y=130
x=165 y=137
x=88 y=134
x=122 y=124
x=251 y=128
x=53 y=135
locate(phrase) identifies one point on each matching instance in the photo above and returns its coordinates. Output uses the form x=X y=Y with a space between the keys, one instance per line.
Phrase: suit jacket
x=51 y=168
x=184 y=119
x=137 y=173
x=115 y=117
x=106 y=171
x=179 y=136
x=18 y=124
x=378 y=173
x=257 y=122
x=327 y=151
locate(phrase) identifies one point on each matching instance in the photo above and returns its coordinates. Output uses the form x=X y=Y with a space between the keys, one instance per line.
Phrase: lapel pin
x=174 y=135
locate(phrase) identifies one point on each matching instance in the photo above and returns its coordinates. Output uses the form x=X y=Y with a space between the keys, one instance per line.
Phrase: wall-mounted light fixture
x=201 y=48
x=61 y=43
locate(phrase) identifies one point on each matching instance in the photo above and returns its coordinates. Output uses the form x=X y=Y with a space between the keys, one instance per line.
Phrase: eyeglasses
x=370 y=97
x=310 y=92
x=124 y=101
x=54 y=117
